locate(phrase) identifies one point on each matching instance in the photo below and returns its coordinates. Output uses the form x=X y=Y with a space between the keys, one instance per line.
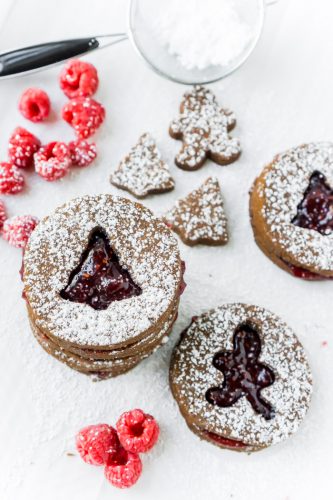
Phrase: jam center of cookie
x=223 y=441
x=99 y=279
x=315 y=211
x=244 y=374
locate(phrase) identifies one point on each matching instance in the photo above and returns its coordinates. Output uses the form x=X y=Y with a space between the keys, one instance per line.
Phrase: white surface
x=282 y=97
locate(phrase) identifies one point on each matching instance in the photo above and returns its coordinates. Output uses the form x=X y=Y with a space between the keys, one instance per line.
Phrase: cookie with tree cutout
x=241 y=378
x=291 y=211
x=102 y=281
x=142 y=171
x=199 y=218
x=204 y=128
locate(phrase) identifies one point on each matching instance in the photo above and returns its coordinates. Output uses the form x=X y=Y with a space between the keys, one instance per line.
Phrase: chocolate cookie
x=143 y=172
x=200 y=217
x=102 y=279
x=241 y=378
x=204 y=128
x=291 y=208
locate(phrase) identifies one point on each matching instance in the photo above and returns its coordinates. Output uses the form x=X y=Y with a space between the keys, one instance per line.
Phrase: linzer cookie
x=143 y=172
x=200 y=217
x=291 y=208
x=241 y=378
x=204 y=128
x=102 y=279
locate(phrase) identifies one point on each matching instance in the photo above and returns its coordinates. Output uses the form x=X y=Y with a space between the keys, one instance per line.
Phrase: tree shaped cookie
x=200 y=217
x=142 y=171
x=204 y=128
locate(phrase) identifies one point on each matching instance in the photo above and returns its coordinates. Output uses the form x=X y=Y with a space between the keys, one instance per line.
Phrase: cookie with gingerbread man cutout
x=142 y=171
x=241 y=378
x=199 y=218
x=204 y=128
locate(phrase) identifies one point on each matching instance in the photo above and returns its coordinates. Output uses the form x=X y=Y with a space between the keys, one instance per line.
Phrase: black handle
x=47 y=54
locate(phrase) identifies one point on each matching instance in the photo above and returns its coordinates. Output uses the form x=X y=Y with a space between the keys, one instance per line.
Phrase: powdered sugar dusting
x=200 y=217
x=192 y=373
x=201 y=34
x=143 y=171
x=144 y=246
x=285 y=183
x=204 y=129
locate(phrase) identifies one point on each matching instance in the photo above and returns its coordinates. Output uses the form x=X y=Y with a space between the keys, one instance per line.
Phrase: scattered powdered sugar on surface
x=193 y=373
x=143 y=244
x=200 y=217
x=143 y=171
x=204 y=129
x=202 y=34
x=285 y=183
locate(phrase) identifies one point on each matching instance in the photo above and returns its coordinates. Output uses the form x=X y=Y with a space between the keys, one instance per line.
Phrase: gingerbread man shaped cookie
x=204 y=128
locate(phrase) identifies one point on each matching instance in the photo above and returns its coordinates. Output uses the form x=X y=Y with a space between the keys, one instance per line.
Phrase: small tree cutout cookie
x=204 y=128
x=142 y=171
x=200 y=218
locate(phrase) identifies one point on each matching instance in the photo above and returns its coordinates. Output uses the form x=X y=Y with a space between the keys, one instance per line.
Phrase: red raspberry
x=22 y=147
x=52 y=161
x=82 y=153
x=96 y=442
x=3 y=215
x=85 y=115
x=123 y=468
x=78 y=79
x=17 y=230
x=11 y=179
x=137 y=431
x=35 y=105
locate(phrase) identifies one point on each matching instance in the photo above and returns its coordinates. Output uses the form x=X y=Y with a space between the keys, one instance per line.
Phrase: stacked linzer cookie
x=102 y=280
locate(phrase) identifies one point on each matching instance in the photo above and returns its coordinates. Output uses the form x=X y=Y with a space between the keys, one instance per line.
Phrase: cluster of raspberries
x=79 y=81
x=117 y=449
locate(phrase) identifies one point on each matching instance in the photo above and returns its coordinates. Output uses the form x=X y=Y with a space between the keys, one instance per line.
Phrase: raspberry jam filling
x=315 y=211
x=223 y=441
x=305 y=274
x=182 y=285
x=99 y=279
x=244 y=375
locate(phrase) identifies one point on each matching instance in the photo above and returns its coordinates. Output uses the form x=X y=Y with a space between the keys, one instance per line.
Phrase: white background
x=282 y=97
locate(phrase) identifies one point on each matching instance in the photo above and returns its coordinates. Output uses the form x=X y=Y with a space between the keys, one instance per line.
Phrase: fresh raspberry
x=22 y=147
x=11 y=179
x=82 y=153
x=84 y=114
x=123 y=468
x=35 y=105
x=53 y=161
x=17 y=230
x=78 y=79
x=96 y=442
x=137 y=431
x=3 y=215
